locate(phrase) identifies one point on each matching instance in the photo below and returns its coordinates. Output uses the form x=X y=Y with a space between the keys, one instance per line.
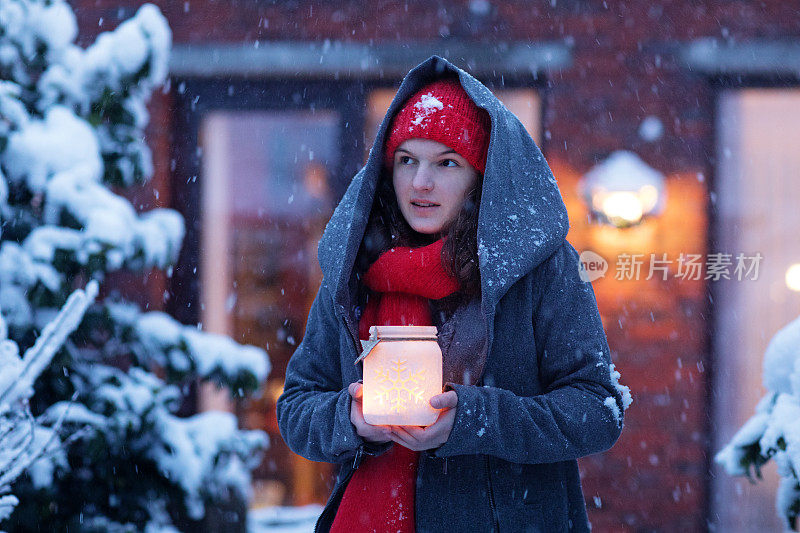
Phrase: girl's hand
x=424 y=438
x=368 y=432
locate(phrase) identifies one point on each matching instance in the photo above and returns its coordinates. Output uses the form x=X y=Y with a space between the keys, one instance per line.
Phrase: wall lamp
x=623 y=190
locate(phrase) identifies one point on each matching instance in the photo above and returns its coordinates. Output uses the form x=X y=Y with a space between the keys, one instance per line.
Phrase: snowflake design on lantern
x=399 y=386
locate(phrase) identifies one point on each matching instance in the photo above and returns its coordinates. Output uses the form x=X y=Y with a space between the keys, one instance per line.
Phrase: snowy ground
x=283 y=519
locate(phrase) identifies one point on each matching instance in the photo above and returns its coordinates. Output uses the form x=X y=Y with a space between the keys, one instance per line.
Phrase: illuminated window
x=265 y=200
x=756 y=203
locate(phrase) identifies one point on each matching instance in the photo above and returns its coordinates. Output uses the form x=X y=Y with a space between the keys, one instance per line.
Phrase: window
x=266 y=197
x=756 y=202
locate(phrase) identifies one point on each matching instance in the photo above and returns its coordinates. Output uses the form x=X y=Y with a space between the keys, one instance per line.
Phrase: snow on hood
x=522 y=221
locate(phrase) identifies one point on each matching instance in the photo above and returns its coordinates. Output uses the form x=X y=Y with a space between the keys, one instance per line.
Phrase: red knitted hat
x=443 y=112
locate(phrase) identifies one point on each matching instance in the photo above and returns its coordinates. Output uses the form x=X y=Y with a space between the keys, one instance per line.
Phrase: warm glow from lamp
x=648 y=196
x=793 y=277
x=623 y=190
x=622 y=208
x=402 y=372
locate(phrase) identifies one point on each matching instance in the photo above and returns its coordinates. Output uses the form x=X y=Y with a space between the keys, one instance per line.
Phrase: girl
x=455 y=221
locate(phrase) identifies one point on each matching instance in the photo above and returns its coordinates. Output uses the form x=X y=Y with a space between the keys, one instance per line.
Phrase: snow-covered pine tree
x=72 y=125
x=773 y=432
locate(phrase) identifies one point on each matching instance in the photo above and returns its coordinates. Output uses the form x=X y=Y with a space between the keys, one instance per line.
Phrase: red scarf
x=380 y=495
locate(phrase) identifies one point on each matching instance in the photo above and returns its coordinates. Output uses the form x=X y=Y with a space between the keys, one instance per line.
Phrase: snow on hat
x=443 y=112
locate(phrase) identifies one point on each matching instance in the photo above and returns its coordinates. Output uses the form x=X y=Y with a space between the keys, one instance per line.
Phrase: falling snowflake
x=398 y=386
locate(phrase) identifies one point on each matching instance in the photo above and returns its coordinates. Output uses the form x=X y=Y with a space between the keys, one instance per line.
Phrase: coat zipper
x=491 y=497
x=340 y=489
x=327 y=511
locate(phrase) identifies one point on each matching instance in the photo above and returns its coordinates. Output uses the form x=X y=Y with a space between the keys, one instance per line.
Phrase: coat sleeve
x=580 y=411
x=314 y=409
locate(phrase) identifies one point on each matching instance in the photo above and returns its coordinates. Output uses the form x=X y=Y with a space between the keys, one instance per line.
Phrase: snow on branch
x=772 y=432
x=213 y=356
x=17 y=384
x=22 y=439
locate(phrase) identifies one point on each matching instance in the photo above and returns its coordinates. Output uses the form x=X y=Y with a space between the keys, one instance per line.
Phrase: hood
x=522 y=218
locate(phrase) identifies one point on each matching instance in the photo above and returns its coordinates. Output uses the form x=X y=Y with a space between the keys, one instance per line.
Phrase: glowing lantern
x=402 y=372
x=623 y=190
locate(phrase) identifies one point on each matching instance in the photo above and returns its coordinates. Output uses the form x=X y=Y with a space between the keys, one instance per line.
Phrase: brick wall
x=624 y=69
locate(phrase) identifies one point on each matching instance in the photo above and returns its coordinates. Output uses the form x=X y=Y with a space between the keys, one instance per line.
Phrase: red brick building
x=271 y=108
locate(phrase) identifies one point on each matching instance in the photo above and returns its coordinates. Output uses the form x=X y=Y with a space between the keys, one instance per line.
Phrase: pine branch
x=38 y=356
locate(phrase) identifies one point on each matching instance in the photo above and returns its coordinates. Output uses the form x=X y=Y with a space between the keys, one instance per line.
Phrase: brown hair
x=388 y=228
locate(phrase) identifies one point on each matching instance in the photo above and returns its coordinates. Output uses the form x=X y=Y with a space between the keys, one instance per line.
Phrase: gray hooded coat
x=546 y=395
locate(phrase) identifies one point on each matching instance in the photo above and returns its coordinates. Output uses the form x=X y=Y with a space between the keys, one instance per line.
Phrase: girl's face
x=428 y=172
